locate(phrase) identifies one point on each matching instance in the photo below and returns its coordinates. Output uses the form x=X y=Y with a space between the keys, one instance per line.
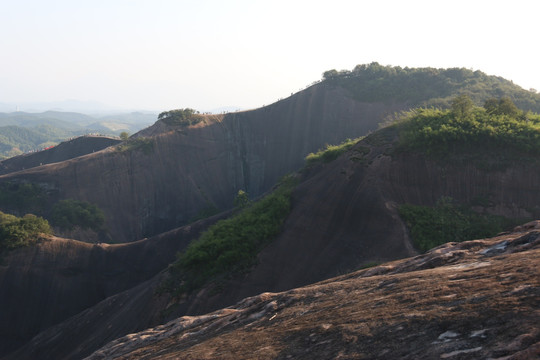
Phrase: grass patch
x=447 y=222
x=330 y=152
x=146 y=145
x=231 y=245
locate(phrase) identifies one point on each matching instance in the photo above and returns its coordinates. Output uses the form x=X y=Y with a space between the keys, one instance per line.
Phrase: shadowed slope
x=186 y=171
x=476 y=299
x=45 y=284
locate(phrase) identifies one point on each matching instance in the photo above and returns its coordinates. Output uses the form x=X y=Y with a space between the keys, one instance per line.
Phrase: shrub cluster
x=180 y=117
x=23 y=197
x=146 y=145
x=330 y=152
x=18 y=232
x=443 y=132
x=447 y=222
x=70 y=213
x=231 y=245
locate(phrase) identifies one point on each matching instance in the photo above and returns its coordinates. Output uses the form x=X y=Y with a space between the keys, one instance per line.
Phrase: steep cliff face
x=188 y=171
x=344 y=214
x=58 y=278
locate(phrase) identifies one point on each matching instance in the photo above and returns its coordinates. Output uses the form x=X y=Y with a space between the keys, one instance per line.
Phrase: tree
x=507 y=107
x=241 y=200
x=462 y=106
x=330 y=74
x=491 y=105
x=124 y=136
x=502 y=106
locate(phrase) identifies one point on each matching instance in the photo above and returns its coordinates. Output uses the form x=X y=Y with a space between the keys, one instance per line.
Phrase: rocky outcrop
x=476 y=299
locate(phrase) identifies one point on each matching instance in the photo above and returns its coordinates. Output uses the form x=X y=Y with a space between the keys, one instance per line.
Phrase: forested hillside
x=428 y=86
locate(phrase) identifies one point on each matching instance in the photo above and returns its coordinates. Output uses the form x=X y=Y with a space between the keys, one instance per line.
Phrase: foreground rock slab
x=473 y=300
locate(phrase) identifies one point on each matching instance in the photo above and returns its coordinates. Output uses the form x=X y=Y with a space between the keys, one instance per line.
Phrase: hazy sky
x=205 y=54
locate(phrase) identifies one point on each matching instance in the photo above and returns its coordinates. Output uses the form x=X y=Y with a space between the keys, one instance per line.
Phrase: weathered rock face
x=476 y=299
x=191 y=170
x=344 y=215
x=45 y=284
x=79 y=146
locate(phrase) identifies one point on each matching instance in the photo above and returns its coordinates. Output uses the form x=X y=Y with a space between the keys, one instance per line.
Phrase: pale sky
x=205 y=54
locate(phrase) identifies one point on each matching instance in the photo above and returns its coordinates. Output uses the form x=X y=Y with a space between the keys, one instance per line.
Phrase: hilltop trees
x=427 y=86
x=17 y=232
x=182 y=117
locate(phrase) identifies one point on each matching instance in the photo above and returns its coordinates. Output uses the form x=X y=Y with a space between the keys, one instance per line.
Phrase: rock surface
x=70 y=149
x=470 y=300
x=46 y=284
x=190 y=170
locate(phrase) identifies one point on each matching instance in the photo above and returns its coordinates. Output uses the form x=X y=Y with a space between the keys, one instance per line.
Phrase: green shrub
x=231 y=245
x=69 y=213
x=474 y=133
x=180 y=117
x=447 y=222
x=18 y=232
x=22 y=197
x=330 y=152
x=146 y=145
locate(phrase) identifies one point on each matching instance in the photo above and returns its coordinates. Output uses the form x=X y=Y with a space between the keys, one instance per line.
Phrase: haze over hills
x=23 y=132
x=344 y=212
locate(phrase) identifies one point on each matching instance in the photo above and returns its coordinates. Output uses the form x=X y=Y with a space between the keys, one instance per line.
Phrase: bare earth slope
x=470 y=300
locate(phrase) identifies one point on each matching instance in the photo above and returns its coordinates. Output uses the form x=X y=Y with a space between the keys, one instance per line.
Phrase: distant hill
x=427 y=86
x=22 y=132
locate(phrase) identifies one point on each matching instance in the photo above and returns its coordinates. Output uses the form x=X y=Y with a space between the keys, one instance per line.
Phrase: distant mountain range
x=22 y=132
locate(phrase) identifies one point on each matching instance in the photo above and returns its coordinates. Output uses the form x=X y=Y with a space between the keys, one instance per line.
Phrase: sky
x=207 y=54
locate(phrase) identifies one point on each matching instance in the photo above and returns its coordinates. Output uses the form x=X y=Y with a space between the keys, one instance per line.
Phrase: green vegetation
x=16 y=140
x=241 y=200
x=501 y=134
x=146 y=145
x=231 y=245
x=17 y=232
x=330 y=152
x=69 y=213
x=447 y=222
x=22 y=197
x=180 y=117
x=427 y=86
x=124 y=136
